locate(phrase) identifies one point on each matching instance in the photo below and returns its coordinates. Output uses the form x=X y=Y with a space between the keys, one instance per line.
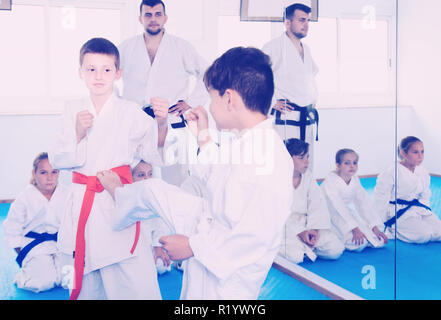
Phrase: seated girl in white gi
x=415 y=222
x=308 y=229
x=352 y=212
x=31 y=228
x=153 y=228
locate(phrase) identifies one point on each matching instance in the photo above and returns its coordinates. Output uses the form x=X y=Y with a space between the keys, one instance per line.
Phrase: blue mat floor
x=416 y=272
x=400 y=270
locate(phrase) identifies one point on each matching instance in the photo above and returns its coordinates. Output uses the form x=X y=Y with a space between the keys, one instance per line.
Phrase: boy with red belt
x=104 y=132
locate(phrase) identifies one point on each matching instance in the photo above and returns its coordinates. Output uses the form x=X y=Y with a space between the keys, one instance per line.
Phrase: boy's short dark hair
x=296 y=147
x=100 y=45
x=290 y=10
x=151 y=3
x=247 y=71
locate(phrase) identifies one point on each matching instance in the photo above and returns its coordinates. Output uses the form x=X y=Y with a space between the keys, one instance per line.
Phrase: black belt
x=149 y=110
x=308 y=116
x=39 y=238
x=408 y=204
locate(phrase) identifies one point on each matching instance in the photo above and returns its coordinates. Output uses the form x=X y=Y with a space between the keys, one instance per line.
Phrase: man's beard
x=299 y=35
x=152 y=32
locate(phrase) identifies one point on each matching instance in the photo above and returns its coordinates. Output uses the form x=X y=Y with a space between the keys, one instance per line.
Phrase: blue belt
x=39 y=238
x=308 y=116
x=408 y=204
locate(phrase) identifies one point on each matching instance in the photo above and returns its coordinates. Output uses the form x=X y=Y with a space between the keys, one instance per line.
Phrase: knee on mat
x=423 y=239
x=36 y=284
x=332 y=252
x=435 y=234
x=419 y=238
x=336 y=252
x=356 y=247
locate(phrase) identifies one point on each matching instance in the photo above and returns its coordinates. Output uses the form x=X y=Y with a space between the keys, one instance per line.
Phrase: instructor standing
x=157 y=64
x=294 y=76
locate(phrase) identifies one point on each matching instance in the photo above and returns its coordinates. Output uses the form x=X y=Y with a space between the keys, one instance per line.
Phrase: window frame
x=339 y=99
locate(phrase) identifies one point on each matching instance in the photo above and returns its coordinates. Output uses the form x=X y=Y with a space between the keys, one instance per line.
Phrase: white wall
x=419 y=70
x=22 y=138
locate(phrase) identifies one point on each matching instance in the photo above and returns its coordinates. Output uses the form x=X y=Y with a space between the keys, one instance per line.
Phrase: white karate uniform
x=167 y=77
x=32 y=211
x=416 y=225
x=294 y=80
x=121 y=134
x=154 y=229
x=350 y=207
x=196 y=187
x=309 y=211
x=236 y=234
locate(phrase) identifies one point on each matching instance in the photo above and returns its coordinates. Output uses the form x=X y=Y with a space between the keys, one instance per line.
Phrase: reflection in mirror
x=418 y=175
x=358 y=70
x=337 y=75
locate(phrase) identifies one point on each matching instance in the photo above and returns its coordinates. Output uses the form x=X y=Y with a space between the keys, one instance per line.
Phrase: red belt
x=93 y=185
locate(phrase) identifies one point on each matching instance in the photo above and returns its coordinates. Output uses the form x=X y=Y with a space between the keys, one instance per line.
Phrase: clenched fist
x=160 y=108
x=84 y=122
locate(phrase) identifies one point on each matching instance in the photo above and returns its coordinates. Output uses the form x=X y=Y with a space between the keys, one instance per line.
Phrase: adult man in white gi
x=294 y=71
x=157 y=64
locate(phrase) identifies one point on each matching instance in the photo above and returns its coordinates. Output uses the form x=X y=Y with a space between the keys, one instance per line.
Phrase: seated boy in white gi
x=308 y=229
x=31 y=228
x=228 y=242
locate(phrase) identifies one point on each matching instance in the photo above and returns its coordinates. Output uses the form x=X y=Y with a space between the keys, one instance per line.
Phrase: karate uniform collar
x=403 y=167
x=40 y=195
x=341 y=181
x=110 y=101
x=164 y=36
x=264 y=125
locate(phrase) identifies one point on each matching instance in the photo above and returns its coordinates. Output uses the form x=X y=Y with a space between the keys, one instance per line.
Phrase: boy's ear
x=228 y=99
x=80 y=73
x=402 y=153
x=118 y=74
x=33 y=177
x=232 y=99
